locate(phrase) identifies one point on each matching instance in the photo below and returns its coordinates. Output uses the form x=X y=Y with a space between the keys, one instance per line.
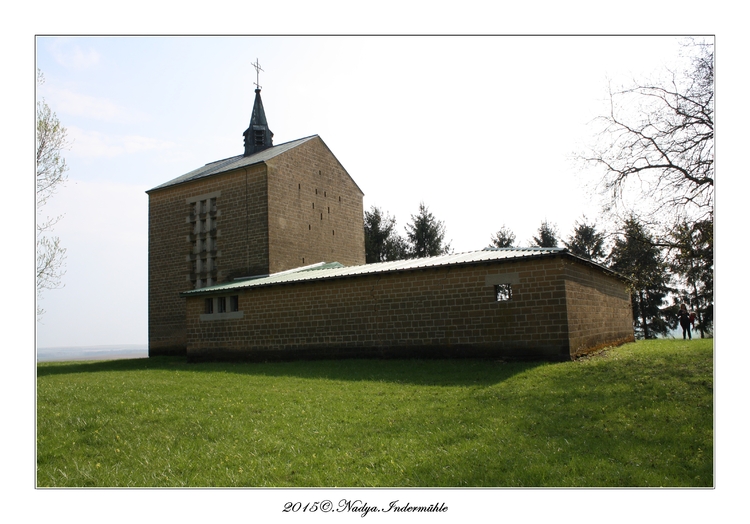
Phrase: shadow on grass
x=439 y=372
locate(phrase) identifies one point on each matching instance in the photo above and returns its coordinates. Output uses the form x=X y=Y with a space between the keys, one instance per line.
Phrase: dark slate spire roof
x=257 y=136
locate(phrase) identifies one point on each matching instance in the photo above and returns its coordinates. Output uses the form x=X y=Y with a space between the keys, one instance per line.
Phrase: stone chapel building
x=270 y=209
x=261 y=257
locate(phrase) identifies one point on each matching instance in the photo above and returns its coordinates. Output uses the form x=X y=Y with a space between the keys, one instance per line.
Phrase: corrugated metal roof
x=324 y=271
x=235 y=162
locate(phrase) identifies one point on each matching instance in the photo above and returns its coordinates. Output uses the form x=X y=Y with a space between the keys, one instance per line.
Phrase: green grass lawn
x=637 y=415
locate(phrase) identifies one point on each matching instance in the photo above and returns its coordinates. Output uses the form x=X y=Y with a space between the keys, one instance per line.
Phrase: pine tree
x=425 y=235
x=382 y=242
x=635 y=256
x=547 y=235
x=586 y=241
x=503 y=238
x=692 y=263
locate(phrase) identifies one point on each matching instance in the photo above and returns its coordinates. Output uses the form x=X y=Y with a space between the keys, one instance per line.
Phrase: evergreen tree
x=503 y=238
x=692 y=263
x=382 y=242
x=635 y=256
x=425 y=235
x=547 y=235
x=586 y=241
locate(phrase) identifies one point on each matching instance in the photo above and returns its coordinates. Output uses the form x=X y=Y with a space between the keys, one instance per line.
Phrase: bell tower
x=257 y=136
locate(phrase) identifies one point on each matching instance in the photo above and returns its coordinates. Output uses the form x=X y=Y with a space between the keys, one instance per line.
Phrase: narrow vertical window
x=209 y=306
x=234 y=303
x=221 y=304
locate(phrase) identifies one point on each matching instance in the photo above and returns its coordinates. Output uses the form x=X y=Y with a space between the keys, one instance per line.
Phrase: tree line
x=654 y=151
x=662 y=272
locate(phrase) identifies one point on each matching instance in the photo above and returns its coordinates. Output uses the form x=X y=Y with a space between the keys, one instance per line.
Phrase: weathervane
x=258 y=69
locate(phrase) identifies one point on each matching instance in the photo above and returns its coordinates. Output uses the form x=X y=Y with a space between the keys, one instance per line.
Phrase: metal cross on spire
x=258 y=69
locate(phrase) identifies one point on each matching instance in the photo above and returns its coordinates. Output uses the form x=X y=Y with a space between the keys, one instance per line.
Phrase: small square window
x=209 y=306
x=234 y=303
x=503 y=292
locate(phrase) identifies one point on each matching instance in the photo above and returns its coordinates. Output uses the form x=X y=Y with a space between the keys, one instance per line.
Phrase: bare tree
x=51 y=139
x=656 y=146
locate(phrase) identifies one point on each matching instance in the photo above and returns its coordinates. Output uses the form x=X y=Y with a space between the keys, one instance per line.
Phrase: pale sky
x=480 y=129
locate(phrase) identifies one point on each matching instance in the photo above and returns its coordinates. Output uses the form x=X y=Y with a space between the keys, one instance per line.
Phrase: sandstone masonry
x=277 y=210
x=558 y=307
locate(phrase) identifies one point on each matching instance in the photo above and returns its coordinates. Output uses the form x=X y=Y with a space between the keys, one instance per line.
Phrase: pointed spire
x=257 y=136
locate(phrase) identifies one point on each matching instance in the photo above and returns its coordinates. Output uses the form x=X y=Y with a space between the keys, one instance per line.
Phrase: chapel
x=261 y=256
x=270 y=209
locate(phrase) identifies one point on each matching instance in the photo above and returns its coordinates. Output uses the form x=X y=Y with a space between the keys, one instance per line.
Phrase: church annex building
x=261 y=257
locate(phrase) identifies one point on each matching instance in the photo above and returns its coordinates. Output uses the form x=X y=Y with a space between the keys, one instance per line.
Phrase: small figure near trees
x=691 y=262
x=684 y=318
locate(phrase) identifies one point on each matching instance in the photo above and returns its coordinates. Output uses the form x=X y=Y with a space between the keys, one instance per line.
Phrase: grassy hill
x=637 y=415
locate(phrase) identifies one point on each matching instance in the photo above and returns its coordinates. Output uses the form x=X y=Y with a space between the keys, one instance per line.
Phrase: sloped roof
x=235 y=162
x=334 y=270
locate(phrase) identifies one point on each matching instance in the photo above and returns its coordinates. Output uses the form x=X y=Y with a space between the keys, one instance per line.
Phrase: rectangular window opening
x=234 y=303
x=209 y=309
x=503 y=292
x=221 y=304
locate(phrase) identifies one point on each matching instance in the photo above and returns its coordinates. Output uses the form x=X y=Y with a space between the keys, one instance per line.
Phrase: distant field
x=62 y=354
x=637 y=415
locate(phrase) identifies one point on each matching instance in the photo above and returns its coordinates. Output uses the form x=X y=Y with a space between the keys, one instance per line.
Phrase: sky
x=481 y=129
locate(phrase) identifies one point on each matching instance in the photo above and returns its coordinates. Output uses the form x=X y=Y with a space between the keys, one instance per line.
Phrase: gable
x=232 y=163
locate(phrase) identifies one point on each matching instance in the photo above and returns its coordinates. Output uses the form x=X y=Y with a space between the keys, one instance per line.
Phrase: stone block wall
x=314 y=208
x=598 y=308
x=187 y=243
x=446 y=311
x=300 y=208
